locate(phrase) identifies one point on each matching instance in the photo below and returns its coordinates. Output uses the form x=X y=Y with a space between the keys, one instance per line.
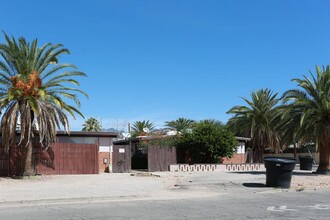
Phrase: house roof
x=240 y=139
x=87 y=134
x=243 y=139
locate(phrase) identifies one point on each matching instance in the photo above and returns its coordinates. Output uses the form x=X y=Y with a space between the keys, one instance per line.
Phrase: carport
x=77 y=153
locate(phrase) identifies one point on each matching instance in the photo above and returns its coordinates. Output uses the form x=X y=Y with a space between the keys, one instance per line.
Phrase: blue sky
x=160 y=60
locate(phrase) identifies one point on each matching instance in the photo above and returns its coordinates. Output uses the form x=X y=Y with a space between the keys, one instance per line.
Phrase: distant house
x=240 y=154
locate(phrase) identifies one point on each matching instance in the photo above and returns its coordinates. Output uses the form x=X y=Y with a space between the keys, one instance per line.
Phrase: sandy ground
x=310 y=181
x=161 y=185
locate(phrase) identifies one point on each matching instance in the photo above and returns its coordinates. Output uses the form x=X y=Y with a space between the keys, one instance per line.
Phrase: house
x=76 y=153
x=240 y=156
x=151 y=158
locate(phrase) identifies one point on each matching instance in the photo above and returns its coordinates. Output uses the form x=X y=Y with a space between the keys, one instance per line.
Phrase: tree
x=288 y=126
x=92 y=124
x=258 y=120
x=180 y=124
x=207 y=142
x=310 y=103
x=141 y=128
x=33 y=86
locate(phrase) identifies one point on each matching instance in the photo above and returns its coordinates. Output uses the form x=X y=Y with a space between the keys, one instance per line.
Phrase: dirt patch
x=312 y=181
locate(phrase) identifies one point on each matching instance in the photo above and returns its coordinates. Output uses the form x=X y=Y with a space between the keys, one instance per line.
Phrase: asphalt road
x=258 y=205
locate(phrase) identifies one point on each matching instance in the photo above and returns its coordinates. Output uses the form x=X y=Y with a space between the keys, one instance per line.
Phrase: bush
x=208 y=142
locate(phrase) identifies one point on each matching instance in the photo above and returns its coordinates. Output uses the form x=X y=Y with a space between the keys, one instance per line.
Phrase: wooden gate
x=60 y=158
x=160 y=158
x=68 y=158
x=121 y=159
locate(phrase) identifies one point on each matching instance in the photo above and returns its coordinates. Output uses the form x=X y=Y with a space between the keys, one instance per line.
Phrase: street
x=278 y=204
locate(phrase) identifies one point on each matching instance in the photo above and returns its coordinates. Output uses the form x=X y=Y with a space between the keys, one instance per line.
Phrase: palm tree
x=141 y=128
x=257 y=120
x=32 y=92
x=180 y=124
x=92 y=124
x=288 y=126
x=311 y=105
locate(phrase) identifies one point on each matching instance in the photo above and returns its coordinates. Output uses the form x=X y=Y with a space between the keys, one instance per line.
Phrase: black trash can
x=306 y=162
x=279 y=171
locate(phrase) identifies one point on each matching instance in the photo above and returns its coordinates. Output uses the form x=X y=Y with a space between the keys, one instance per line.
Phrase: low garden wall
x=216 y=167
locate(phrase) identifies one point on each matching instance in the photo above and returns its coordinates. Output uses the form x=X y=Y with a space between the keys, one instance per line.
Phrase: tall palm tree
x=33 y=88
x=311 y=104
x=141 y=128
x=92 y=124
x=180 y=124
x=258 y=120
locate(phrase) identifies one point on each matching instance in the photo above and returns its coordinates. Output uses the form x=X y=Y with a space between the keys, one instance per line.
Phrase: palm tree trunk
x=257 y=156
x=295 y=150
x=28 y=151
x=324 y=166
x=27 y=157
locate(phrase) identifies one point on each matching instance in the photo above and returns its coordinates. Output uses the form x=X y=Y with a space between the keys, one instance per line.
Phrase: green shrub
x=208 y=141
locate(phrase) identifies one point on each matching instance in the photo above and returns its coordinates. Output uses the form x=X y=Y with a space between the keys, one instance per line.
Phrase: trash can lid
x=280 y=160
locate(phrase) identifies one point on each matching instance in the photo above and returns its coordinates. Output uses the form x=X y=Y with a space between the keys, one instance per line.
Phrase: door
x=121 y=159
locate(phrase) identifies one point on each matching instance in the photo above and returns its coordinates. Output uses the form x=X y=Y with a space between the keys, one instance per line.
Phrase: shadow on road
x=254 y=185
x=294 y=172
x=306 y=173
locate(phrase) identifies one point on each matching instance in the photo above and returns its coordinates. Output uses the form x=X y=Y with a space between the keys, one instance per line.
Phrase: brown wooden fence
x=160 y=158
x=60 y=158
x=11 y=163
x=68 y=158
x=121 y=159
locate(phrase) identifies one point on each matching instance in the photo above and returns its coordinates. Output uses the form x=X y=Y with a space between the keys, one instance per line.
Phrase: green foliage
x=207 y=142
x=139 y=128
x=163 y=141
x=258 y=119
x=34 y=88
x=92 y=124
x=180 y=124
x=308 y=112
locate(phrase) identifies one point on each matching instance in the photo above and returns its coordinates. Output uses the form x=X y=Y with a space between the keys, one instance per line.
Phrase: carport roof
x=243 y=139
x=126 y=141
x=87 y=134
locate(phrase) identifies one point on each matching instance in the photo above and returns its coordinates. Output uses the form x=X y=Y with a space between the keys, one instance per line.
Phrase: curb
x=84 y=200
